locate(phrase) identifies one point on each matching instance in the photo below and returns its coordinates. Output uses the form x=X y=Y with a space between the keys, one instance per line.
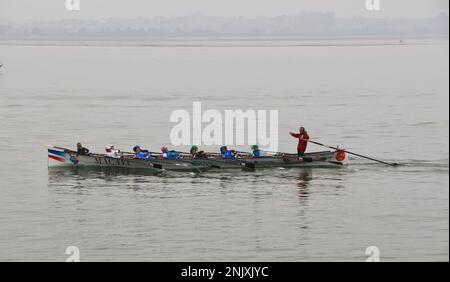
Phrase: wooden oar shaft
x=348 y=152
x=244 y=153
x=281 y=153
x=369 y=158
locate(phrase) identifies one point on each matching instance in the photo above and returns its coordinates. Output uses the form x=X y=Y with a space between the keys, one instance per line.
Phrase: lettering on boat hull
x=111 y=162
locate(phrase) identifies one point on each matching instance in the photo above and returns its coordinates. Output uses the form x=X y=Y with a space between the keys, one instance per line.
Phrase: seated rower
x=112 y=152
x=171 y=155
x=227 y=154
x=142 y=154
x=257 y=153
x=196 y=154
x=81 y=150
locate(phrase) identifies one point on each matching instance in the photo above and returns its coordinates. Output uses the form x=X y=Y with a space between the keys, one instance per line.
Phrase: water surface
x=386 y=101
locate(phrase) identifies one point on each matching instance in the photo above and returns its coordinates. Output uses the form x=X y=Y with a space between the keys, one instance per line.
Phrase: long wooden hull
x=65 y=157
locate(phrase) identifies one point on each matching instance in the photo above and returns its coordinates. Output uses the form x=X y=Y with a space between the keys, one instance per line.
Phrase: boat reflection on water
x=304 y=180
x=91 y=177
x=56 y=174
x=81 y=179
x=331 y=179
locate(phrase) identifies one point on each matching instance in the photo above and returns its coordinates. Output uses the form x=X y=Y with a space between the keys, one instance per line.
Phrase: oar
x=208 y=153
x=275 y=154
x=151 y=153
x=244 y=153
x=351 y=153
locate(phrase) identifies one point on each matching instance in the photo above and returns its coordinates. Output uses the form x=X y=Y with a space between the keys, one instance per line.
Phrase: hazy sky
x=97 y=9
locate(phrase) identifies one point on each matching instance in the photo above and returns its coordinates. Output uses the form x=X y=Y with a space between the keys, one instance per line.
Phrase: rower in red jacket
x=302 y=141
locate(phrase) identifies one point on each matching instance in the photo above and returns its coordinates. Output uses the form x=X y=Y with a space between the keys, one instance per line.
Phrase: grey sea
x=389 y=101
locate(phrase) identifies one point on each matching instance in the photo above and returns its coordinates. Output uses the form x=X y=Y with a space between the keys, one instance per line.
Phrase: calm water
x=386 y=101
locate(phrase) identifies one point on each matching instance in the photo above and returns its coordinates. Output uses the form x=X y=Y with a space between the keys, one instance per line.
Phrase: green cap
x=255 y=147
x=194 y=148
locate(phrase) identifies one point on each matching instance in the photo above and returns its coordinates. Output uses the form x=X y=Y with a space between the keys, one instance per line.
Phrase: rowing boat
x=58 y=156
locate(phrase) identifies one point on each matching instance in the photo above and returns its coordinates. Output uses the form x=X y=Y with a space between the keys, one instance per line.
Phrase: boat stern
x=339 y=157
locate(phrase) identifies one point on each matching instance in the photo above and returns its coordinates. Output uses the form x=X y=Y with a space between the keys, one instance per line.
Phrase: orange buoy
x=340 y=155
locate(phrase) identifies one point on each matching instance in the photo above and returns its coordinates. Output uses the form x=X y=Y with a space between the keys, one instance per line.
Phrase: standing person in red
x=302 y=141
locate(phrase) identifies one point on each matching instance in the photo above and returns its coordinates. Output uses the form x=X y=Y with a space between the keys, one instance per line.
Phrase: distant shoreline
x=233 y=42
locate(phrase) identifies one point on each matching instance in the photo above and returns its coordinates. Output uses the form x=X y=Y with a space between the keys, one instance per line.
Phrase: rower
x=196 y=154
x=303 y=138
x=112 y=152
x=141 y=154
x=227 y=154
x=257 y=153
x=81 y=150
x=171 y=155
